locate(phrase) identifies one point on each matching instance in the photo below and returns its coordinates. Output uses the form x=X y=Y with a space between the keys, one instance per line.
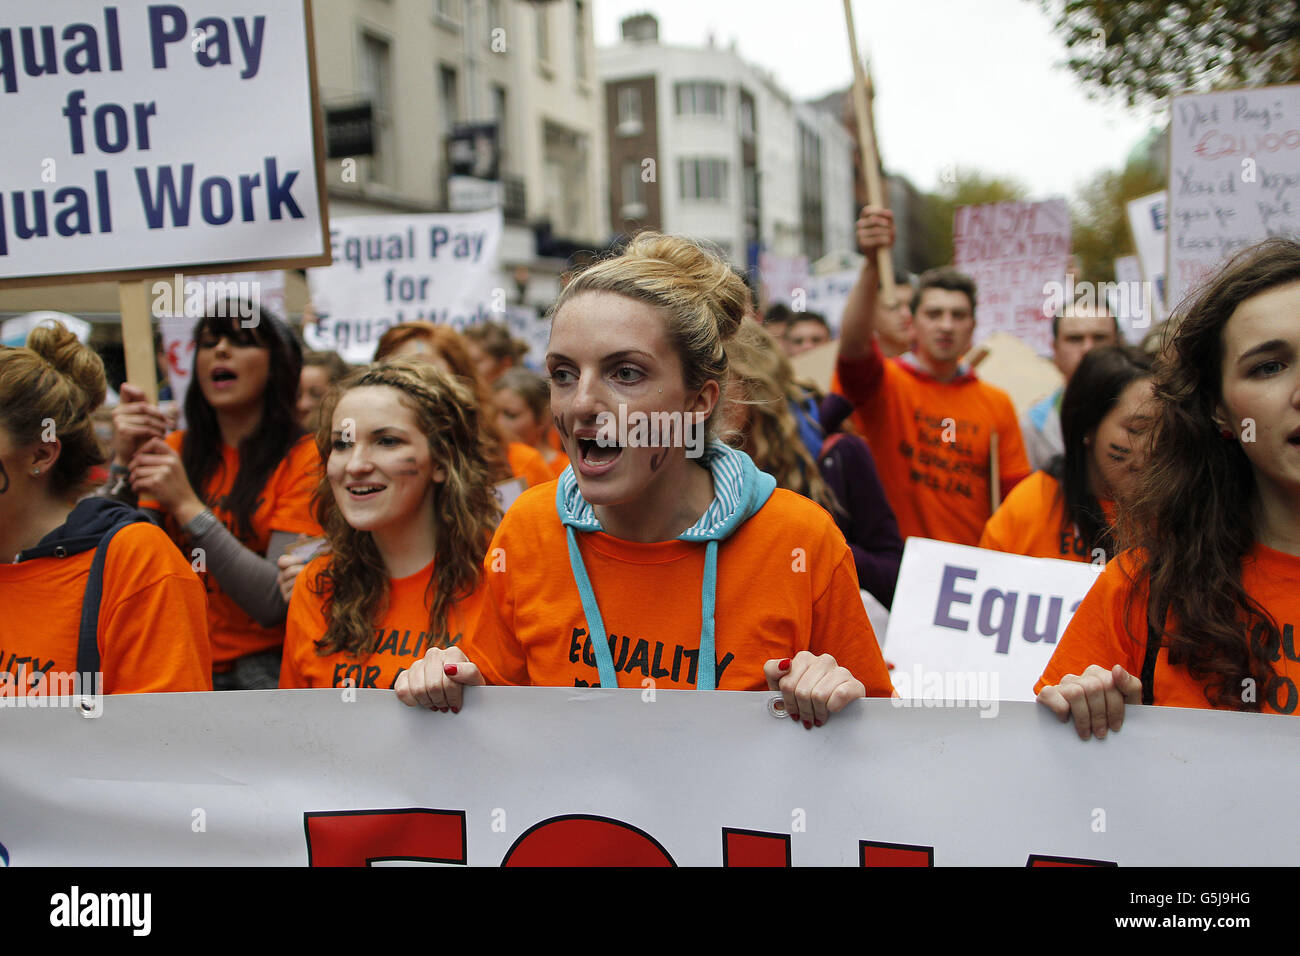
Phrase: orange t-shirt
x=527 y=463
x=285 y=505
x=786 y=582
x=1032 y=522
x=1108 y=630
x=931 y=444
x=153 y=632
x=403 y=633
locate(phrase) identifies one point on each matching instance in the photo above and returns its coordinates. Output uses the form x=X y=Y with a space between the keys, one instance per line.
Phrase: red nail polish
x=794 y=717
x=818 y=723
x=784 y=665
x=449 y=670
x=455 y=710
x=807 y=725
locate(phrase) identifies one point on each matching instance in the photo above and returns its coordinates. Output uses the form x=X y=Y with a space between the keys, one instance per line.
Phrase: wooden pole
x=995 y=474
x=870 y=157
x=137 y=338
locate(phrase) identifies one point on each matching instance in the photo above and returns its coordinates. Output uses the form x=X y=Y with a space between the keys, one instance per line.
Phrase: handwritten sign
x=1234 y=178
x=1015 y=252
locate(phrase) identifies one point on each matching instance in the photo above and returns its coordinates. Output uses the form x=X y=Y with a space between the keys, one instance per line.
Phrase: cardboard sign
x=157 y=136
x=1234 y=178
x=968 y=616
x=393 y=269
x=1014 y=251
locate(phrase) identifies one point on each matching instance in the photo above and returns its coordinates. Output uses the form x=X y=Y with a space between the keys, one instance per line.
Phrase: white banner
x=828 y=294
x=439 y=267
x=1133 y=312
x=1234 y=178
x=556 y=775
x=1014 y=251
x=155 y=136
x=982 y=621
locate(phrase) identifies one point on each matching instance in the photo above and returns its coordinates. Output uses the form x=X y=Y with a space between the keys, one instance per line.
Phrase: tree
x=968 y=188
x=1149 y=50
x=1099 y=216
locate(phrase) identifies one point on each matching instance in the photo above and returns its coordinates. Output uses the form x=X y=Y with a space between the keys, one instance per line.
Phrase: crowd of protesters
x=447 y=517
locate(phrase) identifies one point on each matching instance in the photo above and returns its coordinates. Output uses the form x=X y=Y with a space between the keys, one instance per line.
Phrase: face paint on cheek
x=658 y=458
x=408 y=467
x=4 y=479
x=559 y=427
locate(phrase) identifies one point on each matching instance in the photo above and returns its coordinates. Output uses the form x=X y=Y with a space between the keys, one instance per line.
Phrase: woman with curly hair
x=842 y=478
x=407 y=504
x=446 y=348
x=664 y=558
x=1202 y=611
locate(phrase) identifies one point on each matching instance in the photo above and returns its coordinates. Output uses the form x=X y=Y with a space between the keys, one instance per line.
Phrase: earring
x=35 y=472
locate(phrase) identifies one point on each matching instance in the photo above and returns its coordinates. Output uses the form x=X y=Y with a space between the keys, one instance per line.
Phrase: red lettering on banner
x=584 y=840
x=874 y=853
x=754 y=848
x=1038 y=859
x=361 y=837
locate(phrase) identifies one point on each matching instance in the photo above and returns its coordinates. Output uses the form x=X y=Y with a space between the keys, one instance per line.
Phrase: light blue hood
x=739 y=490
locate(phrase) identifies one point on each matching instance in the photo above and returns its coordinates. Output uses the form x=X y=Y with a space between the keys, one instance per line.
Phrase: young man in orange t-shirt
x=928 y=419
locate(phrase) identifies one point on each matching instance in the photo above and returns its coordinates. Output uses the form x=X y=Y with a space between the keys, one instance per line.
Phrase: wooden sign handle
x=137 y=338
x=870 y=157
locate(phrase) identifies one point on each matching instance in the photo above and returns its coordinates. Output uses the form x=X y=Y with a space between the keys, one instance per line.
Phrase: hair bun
x=78 y=364
x=706 y=273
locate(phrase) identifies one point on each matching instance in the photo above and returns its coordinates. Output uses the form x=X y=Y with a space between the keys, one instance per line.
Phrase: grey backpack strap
x=88 y=637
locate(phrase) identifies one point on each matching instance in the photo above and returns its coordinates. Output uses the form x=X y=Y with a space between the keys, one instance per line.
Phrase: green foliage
x=1149 y=50
x=969 y=188
x=1099 y=217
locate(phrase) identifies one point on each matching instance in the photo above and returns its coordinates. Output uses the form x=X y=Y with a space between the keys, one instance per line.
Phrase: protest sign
x=1017 y=253
x=779 y=276
x=14 y=332
x=1133 y=313
x=161 y=136
x=1148 y=221
x=439 y=267
x=969 y=616
x=1234 y=178
x=828 y=294
x=543 y=775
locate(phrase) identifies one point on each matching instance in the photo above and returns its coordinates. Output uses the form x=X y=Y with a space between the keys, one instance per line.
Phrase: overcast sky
x=965 y=82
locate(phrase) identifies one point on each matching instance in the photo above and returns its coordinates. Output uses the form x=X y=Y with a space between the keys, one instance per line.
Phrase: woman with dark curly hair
x=407 y=504
x=1202 y=610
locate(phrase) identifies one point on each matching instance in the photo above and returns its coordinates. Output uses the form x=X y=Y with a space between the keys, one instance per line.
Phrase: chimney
x=641 y=28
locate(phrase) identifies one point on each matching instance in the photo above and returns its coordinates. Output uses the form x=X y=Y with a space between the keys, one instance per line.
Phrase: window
x=580 y=40
x=375 y=83
x=543 y=32
x=449 y=99
x=633 y=195
x=700 y=99
x=749 y=177
x=629 y=111
x=746 y=118
x=500 y=115
x=702 y=179
x=448 y=10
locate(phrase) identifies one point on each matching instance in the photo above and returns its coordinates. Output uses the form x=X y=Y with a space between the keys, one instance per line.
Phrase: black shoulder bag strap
x=88 y=637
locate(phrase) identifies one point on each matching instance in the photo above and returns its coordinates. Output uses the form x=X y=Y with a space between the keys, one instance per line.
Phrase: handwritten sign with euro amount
x=1234 y=178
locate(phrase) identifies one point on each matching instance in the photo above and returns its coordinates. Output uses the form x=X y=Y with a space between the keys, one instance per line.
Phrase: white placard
x=779 y=276
x=439 y=267
x=1014 y=251
x=828 y=294
x=285 y=778
x=157 y=136
x=527 y=324
x=1148 y=221
x=967 y=616
x=14 y=332
x=1133 y=312
x=1234 y=178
